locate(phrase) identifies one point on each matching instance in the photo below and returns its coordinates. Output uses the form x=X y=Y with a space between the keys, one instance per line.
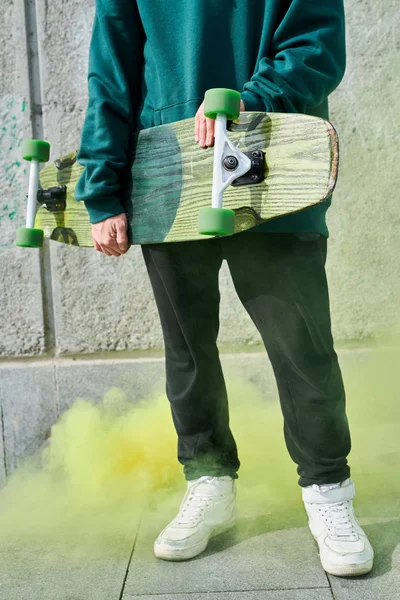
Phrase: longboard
x=171 y=179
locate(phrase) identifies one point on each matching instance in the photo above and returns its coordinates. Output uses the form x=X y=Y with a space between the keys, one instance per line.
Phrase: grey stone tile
x=21 y=312
x=28 y=397
x=111 y=307
x=138 y=378
x=383 y=583
x=253 y=556
x=304 y=594
x=93 y=379
x=59 y=572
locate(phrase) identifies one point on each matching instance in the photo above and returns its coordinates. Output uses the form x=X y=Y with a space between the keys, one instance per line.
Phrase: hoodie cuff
x=102 y=208
x=254 y=103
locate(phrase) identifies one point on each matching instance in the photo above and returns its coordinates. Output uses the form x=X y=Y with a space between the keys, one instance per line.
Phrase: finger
x=210 y=124
x=113 y=251
x=122 y=237
x=199 y=115
x=202 y=132
x=110 y=241
x=108 y=250
x=95 y=244
x=104 y=250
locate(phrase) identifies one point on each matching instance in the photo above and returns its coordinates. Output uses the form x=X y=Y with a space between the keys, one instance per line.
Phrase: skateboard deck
x=171 y=179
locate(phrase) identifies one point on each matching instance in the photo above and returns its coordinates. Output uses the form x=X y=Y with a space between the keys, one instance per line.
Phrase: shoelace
x=338 y=520
x=194 y=506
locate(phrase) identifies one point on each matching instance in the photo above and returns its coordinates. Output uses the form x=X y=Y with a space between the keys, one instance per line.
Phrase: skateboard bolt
x=230 y=163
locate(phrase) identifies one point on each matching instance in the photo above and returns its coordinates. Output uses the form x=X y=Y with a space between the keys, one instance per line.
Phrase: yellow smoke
x=108 y=463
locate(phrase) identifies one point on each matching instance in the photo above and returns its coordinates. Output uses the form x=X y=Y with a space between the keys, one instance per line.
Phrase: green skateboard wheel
x=36 y=149
x=220 y=100
x=216 y=221
x=29 y=238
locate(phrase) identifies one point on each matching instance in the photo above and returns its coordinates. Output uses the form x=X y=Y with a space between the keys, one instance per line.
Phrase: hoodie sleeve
x=115 y=62
x=306 y=60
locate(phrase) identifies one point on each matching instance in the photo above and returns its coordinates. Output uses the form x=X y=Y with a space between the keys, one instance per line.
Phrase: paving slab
x=28 y=398
x=64 y=572
x=377 y=477
x=383 y=583
x=253 y=556
x=306 y=594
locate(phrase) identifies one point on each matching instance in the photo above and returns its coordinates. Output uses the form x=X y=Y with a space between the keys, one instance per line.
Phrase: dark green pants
x=281 y=281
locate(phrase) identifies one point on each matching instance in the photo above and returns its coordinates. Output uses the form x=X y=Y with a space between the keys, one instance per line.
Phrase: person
x=150 y=63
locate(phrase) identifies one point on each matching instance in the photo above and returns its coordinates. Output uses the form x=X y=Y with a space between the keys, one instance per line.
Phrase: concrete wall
x=62 y=301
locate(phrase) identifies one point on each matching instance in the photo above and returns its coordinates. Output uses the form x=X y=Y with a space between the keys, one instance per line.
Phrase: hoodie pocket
x=177 y=112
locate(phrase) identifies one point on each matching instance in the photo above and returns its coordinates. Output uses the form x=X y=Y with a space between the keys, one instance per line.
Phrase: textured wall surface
x=29 y=402
x=363 y=269
x=21 y=313
x=61 y=300
x=102 y=304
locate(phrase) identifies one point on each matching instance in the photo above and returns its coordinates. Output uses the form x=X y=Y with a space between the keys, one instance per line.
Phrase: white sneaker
x=344 y=548
x=208 y=508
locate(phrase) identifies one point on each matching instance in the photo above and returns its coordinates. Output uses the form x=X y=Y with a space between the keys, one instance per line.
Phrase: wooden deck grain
x=171 y=178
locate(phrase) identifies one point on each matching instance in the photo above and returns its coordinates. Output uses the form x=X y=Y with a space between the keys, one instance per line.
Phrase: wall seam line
x=3 y=437
x=57 y=389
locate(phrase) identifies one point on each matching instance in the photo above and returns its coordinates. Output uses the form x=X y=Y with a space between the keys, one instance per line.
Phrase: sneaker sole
x=187 y=553
x=348 y=570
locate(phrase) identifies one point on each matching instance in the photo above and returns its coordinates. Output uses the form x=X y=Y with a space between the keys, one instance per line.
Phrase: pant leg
x=184 y=278
x=281 y=281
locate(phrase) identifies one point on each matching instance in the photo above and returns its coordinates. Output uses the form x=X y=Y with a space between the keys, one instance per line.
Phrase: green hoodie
x=151 y=61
